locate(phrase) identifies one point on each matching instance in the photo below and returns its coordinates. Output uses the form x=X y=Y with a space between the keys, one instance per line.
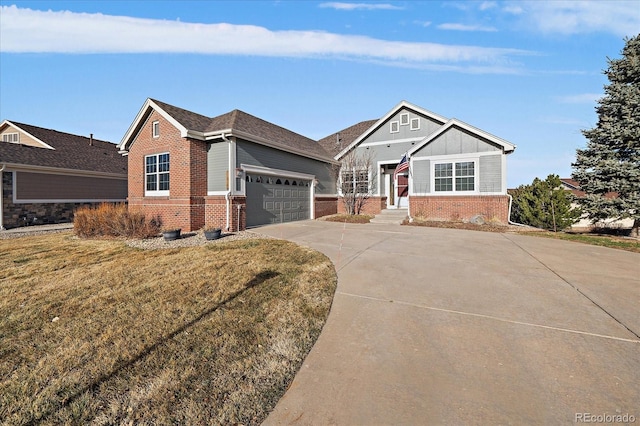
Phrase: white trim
x=404 y=116
x=416 y=120
x=216 y=193
x=53 y=201
x=391 y=142
x=66 y=172
x=387 y=116
x=397 y=125
x=6 y=136
x=507 y=147
x=9 y=123
x=155 y=129
x=326 y=196
x=248 y=168
x=472 y=155
x=156 y=192
x=453 y=161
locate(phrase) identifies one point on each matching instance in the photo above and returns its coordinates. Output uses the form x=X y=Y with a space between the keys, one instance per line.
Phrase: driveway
x=442 y=326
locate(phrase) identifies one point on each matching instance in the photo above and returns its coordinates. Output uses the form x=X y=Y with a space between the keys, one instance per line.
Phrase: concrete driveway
x=441 y=326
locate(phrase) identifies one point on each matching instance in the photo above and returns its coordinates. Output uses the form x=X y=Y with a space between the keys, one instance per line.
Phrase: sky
x=529 y=72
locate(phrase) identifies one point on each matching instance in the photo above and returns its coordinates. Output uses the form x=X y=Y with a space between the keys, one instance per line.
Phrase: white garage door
x=276 y=199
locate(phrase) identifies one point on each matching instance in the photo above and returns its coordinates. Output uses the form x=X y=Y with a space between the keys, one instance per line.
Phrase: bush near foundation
x=113 y=220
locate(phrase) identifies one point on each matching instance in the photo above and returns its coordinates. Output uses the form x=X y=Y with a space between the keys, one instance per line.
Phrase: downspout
x=509 y=217
x=227 y=195
x=2 y=167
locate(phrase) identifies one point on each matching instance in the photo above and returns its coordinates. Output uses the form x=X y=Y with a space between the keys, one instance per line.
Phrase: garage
x=276 y=199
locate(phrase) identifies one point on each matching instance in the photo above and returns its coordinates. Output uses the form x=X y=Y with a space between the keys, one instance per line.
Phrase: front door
x=402 y=191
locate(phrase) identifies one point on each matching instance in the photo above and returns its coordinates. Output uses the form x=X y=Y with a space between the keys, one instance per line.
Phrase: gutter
x=228 y=193
x=509 y=214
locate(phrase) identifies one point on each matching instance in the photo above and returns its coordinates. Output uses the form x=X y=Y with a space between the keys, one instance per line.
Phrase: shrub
x=113 y=220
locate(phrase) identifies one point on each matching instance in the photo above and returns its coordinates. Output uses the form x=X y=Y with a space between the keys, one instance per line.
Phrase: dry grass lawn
x=95 y=331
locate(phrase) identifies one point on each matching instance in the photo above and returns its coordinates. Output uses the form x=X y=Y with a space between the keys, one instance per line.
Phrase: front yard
x=96 y=331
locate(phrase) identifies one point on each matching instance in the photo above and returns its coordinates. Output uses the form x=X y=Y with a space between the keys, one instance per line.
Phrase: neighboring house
x=573 y=186
x=47 y=174
x=456 y=171
x=230 y=171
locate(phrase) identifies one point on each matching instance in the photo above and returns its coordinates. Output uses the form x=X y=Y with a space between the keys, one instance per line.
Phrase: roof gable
x=234 y=123
x=379 y=123
x=505 y=146
x=67 y=151
x=24 y=137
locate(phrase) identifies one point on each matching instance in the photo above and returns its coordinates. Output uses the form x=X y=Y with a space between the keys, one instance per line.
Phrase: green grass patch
x=98 y=332
x=627 y=244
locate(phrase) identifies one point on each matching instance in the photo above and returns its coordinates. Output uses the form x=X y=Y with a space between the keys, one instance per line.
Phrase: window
x=415 y=124
x=155 y=129
x=454 y=177
x=11 y=137
x=357 y=180
x=395 y=127
x=157 y=174
x=404 y=119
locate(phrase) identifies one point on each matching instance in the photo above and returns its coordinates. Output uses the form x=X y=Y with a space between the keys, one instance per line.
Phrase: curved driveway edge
x=442 y=326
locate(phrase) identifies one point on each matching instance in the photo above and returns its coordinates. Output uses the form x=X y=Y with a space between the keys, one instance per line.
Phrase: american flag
x=402 y=166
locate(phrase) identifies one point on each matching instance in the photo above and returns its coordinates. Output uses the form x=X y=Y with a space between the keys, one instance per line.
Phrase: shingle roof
x=336 y=142
x=247 y=124
x=70 y=152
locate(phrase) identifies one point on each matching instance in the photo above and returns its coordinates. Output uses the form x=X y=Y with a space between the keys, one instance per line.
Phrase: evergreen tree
x=608 y=170
x=544 y=204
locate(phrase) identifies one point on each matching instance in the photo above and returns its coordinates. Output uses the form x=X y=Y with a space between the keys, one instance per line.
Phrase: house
x=236 y=170
x=47 y=174
x=231 y=171
x=455 y=172
x=573 y=186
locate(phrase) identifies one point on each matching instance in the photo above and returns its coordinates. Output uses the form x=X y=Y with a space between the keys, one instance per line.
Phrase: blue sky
x=528 y=72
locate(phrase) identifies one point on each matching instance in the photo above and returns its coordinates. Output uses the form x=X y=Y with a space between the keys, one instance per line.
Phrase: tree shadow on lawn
x=254 y=282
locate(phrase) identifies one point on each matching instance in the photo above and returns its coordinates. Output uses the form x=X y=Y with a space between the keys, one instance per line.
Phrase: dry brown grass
x=349 y=218
x=95 y=331
x=113 y=220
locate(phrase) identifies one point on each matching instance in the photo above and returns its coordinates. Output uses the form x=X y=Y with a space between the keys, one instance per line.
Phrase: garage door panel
x=275 y=203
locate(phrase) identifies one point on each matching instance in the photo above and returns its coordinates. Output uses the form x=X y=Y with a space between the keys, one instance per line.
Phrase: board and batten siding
x=217 y=166
x=455 y=141
x=383 y=133
x=259 y=155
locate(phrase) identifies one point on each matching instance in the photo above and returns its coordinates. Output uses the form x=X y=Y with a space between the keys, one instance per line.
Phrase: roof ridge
x=18 y=124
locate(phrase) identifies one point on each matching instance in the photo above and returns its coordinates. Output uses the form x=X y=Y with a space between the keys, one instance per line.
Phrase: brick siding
x=185 y=206
x=325 y=206
x=373 y=206
x=456 y=208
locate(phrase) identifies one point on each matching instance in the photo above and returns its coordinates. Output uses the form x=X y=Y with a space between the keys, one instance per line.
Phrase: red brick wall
x=216 y=212
x=373 y=206
x=451 y=208
x=185 y=206
x=324 y=206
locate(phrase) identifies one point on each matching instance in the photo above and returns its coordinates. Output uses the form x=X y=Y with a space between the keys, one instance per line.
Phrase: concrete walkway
x=441 y=326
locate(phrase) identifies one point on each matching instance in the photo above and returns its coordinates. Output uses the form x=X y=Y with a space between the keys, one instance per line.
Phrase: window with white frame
x=11 y=137
x=156 y=174
x=155 y=129
x=394 y=127
x=355 y=181
x=415 y=124
x=454 y=176
x=404 y=119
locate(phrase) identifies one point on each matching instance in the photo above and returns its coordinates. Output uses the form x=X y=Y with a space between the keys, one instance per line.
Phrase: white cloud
x=422 y=23
x=486 y=5
x=463 y=27
x=621 y=18
x=582 y=98
x=26 y=30
x=359 y=6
